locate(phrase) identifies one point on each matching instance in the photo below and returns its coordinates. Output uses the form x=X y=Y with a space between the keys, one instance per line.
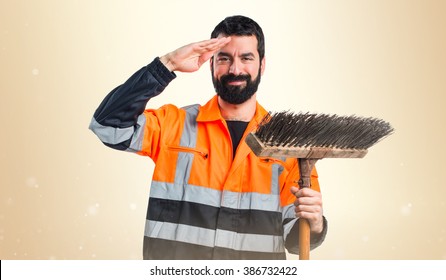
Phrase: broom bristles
x=288 y=129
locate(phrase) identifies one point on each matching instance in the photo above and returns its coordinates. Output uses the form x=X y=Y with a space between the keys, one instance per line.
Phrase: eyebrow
x=248 y=54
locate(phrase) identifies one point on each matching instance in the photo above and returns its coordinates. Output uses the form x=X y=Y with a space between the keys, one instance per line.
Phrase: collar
x=211 y=112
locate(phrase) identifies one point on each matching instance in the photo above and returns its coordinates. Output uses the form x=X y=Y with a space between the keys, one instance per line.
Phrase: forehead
x=240 y=45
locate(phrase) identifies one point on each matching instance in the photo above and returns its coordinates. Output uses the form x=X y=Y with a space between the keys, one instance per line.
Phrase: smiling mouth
x=236 y=83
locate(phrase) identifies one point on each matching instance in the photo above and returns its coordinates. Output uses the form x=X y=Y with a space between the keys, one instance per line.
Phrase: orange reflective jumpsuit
x=203 y=204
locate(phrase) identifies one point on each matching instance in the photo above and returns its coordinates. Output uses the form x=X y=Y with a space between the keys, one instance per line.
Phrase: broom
x=310 y=137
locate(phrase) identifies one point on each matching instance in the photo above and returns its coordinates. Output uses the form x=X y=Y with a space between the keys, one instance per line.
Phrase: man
x=211 y=197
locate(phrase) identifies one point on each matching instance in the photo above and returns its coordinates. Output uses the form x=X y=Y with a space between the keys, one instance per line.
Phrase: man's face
x=236 y=69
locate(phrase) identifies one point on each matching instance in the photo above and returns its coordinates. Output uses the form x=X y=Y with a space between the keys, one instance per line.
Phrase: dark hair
x=241 y=26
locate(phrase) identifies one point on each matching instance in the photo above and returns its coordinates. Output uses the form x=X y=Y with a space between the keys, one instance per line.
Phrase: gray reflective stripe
x=251 y=200
x=211 y=197
x=111 y=135
x=211 y=238
x=179 y=232
x=115 y=135
x=249 y=242
x=189 y=136
x=138 y=135
x=287 y=228
x=288 y=212
x=276 y=170
x=188 y=139
x=187 y=193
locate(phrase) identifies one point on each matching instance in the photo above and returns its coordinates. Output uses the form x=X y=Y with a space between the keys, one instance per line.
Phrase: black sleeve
x=122 y=106
x=292 y=240
x=118 y=121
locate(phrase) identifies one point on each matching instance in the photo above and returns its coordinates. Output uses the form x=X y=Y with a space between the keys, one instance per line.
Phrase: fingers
x=189 y=58
x=314 y=215
x=294 y=190
x=206 y=49
x=308 y=197
x=209 y=47
x=305 y=192
x=308 y=205
x=213 y=44
x=308 y=209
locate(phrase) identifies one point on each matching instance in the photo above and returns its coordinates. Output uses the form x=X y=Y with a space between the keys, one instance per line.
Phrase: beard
x=235 y=94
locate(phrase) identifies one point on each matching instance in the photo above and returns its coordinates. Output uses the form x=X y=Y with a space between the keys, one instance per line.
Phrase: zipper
x=202 y=153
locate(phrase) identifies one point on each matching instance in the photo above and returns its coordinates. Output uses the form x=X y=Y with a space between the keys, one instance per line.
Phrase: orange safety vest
x=203 y=203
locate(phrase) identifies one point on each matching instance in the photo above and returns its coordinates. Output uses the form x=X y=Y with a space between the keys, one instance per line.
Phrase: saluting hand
x=189 y=58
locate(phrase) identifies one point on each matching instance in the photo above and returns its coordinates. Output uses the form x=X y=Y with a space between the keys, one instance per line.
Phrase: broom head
x=309 y=135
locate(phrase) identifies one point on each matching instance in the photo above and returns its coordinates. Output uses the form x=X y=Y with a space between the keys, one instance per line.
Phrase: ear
x=211 y=62
x=262 y=66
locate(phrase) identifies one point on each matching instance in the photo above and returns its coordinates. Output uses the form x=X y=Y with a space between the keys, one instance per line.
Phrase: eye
x=223 y=59
x=247 y=58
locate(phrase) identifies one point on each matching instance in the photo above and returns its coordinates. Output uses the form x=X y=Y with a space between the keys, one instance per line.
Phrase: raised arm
x=118 y=120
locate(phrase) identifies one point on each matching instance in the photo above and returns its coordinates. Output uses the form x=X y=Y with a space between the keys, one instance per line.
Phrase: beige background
x=64 y=195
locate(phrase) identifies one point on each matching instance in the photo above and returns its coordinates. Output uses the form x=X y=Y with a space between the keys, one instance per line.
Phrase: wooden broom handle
x=305 y=167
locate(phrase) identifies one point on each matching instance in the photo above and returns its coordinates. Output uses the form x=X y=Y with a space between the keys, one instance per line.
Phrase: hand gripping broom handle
x=305 y=167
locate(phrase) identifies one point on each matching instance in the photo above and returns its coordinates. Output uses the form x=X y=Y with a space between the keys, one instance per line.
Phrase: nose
x=235 y=67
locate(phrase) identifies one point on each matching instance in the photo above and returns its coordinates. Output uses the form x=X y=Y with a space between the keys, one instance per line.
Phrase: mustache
x=233 y=78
